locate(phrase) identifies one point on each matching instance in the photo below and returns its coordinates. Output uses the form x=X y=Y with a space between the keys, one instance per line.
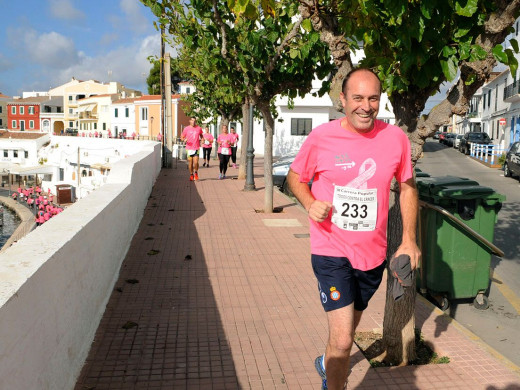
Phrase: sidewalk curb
x=469 y=334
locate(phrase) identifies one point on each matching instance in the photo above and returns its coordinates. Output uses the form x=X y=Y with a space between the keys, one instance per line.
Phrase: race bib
x=192 y=152
x=225 y=151
x=206 y=142
x=354 y=209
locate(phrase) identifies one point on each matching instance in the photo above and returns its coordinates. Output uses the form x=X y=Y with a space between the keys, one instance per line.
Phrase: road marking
x=509 y=294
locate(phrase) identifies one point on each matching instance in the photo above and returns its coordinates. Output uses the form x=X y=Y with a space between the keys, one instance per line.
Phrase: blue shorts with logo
x=340 y=284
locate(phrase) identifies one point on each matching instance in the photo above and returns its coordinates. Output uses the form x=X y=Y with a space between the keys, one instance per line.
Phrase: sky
x=44 y=43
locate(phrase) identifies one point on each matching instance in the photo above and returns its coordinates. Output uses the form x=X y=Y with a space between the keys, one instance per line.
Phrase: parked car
x=456 y=140
x=448 y=139
x=441 y=137
x=280 y=171
x=436 y=135
x=512 y=163
x=71 y=131
x=473 y=137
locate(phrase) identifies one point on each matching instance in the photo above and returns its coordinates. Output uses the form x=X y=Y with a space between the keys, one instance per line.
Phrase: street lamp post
x=250 y=178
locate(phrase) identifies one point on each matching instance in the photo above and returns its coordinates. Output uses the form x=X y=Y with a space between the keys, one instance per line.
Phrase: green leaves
x=498 y=53
x=466 y=7
x=449 y=68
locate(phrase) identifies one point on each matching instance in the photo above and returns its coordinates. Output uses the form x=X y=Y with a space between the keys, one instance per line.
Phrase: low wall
x=27 y=222
x=56 y=281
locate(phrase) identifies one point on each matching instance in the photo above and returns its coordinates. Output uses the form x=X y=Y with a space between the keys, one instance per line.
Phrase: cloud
x=128 y=65
x=64 y=9
x=50 y=49
x=132 y=17
x=5 y=64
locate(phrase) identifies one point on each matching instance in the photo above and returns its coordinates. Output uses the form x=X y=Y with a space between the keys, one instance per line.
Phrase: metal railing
x=487 y=153
x=511 y=90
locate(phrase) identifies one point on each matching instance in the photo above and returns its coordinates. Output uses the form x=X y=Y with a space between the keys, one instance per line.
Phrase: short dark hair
x=355 y=70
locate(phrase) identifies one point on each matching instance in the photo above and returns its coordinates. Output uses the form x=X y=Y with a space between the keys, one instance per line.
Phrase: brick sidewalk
x=213 y=295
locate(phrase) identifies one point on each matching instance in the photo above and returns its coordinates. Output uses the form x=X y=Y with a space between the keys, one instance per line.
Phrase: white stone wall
x=56 y=281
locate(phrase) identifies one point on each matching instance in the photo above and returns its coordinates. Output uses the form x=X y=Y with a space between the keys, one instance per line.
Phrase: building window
x=31 y=110
x=13 y=124
x=71 y=124
x=127 y=112
x=301 y=126
x=70 y=98
x=144 y=113
x=71 y=111
x=104 y=126
x=31 y=124
x=26 y=154
x=15 y=153
x=489 y=98
x=1 y=123
x=22 y=110
x=188 y=90
x=1 y=109
x=6 y=153
x=13 y=110
x=95 y=125
x=116 y=112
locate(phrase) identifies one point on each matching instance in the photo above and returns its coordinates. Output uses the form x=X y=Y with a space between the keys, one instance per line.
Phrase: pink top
x=192 y=136
x=224 y=142
x=234 y=140
x=207 y=140
x=336 y=158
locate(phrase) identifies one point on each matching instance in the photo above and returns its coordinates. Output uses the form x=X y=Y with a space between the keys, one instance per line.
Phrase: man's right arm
x=318 y=210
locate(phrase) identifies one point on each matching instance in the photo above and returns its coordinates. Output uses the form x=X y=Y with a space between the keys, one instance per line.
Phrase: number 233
x=354 y=210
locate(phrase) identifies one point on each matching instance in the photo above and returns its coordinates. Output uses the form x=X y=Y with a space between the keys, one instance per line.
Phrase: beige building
x=93 y=115
x=3 y=110
x=76 y=90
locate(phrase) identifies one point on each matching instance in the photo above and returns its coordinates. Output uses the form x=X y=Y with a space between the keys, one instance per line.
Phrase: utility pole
x=164 y=139
x=168 y=110
x=79 y=171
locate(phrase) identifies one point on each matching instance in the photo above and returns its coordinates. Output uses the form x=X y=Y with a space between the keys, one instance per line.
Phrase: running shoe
x=220 y=176
x=191 y=177
x=235 y=166
x=223 y=176
x=196 y=176
x=204 y=164
x=318 y=364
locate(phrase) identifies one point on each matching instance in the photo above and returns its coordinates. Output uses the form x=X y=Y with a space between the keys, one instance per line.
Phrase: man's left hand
x=411 y=249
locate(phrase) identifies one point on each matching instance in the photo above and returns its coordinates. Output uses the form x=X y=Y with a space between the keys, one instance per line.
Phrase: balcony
x=512 y=92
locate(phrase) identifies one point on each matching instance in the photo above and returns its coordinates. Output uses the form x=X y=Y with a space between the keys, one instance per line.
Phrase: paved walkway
x=214 y=295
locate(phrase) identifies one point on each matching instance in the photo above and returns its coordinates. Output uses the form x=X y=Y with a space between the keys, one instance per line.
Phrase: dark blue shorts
x=339 y=284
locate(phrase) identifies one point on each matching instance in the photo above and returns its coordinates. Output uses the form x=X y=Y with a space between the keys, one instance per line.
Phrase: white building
x=123 y=117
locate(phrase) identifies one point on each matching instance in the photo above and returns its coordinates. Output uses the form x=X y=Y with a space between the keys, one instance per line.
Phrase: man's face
x=224 y=129
x=193 y=121
x=232 y=130
x=360 y=101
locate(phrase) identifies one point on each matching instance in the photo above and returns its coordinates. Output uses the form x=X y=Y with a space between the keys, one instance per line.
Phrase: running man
x=192 y=134
x=353 y=161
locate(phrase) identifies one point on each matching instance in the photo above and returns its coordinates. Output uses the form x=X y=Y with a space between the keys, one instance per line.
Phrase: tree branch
x=220 y=23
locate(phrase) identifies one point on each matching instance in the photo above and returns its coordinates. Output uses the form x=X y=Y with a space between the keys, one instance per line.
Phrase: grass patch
x=371 y=345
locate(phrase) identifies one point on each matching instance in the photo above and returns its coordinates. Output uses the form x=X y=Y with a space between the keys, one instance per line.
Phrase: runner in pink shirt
x=352 y=162
x=234 y=146
x=224 y=141
x=207 y=146
x=192 y=134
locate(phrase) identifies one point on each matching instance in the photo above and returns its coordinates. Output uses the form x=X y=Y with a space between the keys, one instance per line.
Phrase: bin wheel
x=481 y=302
x=444 y=304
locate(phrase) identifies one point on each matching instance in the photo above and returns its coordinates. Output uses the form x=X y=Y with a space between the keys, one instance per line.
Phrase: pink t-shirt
x=352 y=165
x=234 y=139
x=224 y=141
x=192 y=136
x=207 y=140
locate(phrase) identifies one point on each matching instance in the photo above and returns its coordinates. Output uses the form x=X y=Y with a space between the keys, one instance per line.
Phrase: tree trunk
x=399 y=319
x=245 y=140
x=268 y=155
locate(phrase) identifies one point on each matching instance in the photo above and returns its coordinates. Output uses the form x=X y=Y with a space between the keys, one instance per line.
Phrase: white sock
x=323 y=362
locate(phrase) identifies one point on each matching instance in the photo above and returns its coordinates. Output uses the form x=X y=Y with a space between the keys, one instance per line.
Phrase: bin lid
x=463 y=192
x=432 y=185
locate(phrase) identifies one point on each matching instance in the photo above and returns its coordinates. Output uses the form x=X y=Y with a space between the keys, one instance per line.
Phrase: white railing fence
x=487 y=153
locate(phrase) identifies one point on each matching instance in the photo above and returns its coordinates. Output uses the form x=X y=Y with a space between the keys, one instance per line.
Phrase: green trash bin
x=456 y=263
